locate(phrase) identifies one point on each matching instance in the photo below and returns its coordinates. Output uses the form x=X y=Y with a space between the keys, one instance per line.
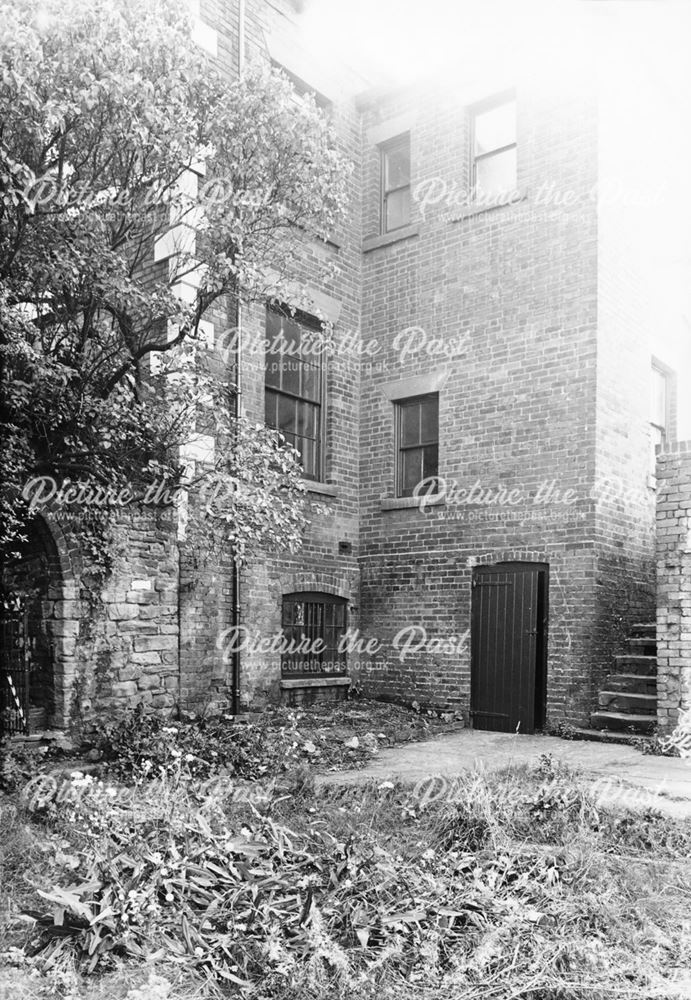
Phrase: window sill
x=407 y=503
x=323 y=489
x=315 y=682
x=469 y=211
x=386 y=239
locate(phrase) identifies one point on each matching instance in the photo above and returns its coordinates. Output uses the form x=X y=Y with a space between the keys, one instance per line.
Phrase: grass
x=517 y=884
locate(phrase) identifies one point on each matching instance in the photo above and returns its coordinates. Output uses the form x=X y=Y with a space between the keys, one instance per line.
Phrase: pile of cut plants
x=350 y=733
x=248 y=746
x=514 y=883
x=334 y=737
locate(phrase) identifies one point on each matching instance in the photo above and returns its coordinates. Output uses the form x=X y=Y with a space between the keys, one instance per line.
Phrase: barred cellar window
x=313 y=626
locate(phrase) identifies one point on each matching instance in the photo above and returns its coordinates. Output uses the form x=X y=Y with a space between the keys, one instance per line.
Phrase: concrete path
x=621 y=773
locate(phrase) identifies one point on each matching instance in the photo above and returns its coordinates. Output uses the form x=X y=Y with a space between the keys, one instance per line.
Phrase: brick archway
x=328 y=583
x=44 y=575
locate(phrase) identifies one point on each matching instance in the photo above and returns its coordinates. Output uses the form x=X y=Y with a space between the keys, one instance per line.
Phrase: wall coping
x=674 y=448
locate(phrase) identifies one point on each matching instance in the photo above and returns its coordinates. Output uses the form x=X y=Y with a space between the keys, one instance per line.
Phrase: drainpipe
x=241 y=36
x=235 y=702
x=236 y=568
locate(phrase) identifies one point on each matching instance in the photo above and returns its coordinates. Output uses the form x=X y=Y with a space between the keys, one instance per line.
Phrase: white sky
x=639 y=50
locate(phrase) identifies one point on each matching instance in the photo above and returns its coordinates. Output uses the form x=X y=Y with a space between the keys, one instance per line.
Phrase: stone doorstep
x=44 y=736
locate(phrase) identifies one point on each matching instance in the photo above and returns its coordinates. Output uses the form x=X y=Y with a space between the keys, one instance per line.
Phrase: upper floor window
x=493 y=129
x=417 y=434
x=301 y=87
x=395 y=183
x=659 y=408
x=314 y=625
x=294 y=390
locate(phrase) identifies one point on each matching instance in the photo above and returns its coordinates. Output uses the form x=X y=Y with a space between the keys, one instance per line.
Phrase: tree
x=105 y=108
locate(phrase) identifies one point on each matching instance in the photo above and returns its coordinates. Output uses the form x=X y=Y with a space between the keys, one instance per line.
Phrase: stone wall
x=673 y=584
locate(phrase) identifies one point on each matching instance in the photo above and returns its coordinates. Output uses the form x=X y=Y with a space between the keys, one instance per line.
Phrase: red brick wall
x=519 y=407
x=673 y=584
x=545 y=387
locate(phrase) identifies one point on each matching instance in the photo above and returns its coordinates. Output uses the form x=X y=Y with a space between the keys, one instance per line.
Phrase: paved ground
x=620 y=773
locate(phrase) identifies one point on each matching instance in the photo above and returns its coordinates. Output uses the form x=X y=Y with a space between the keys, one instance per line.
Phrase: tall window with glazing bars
x=294 y=385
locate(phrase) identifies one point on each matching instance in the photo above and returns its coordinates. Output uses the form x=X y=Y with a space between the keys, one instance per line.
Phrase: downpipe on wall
x=235 y=696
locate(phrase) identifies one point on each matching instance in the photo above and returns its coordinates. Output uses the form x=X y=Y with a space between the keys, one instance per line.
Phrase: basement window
x=313 y=626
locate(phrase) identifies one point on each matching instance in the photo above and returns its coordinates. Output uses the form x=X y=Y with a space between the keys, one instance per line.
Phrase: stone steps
x=626 y=721
x=633 y=683
x=644 y=645
x=644 y=630
x=610 y=736
x=646 y=666
x=628 y=701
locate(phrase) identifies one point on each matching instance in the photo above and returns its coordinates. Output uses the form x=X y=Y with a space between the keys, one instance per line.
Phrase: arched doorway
x=31 y=584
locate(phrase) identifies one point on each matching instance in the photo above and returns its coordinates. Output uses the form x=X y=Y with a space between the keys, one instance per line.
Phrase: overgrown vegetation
x=515 y=883
x=107 y=110
x=347 y=734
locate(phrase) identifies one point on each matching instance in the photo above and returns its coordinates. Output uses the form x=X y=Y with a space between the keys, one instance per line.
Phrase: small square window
x=417 y=431
x=494 y=150
x=395 y=183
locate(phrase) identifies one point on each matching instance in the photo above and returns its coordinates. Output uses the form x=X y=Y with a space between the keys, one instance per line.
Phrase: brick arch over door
x=508 y=556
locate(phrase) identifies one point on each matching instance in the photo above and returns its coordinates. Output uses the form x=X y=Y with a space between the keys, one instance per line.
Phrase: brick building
x=477 y=444
x=502 y=350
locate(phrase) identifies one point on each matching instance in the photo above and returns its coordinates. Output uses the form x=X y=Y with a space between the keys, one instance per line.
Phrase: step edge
x=629 y=694
x=618 y=715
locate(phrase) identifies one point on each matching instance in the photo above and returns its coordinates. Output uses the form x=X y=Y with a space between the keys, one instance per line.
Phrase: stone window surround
x=407 y=388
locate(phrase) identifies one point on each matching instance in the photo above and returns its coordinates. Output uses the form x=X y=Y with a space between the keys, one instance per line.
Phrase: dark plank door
x=508 y=624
